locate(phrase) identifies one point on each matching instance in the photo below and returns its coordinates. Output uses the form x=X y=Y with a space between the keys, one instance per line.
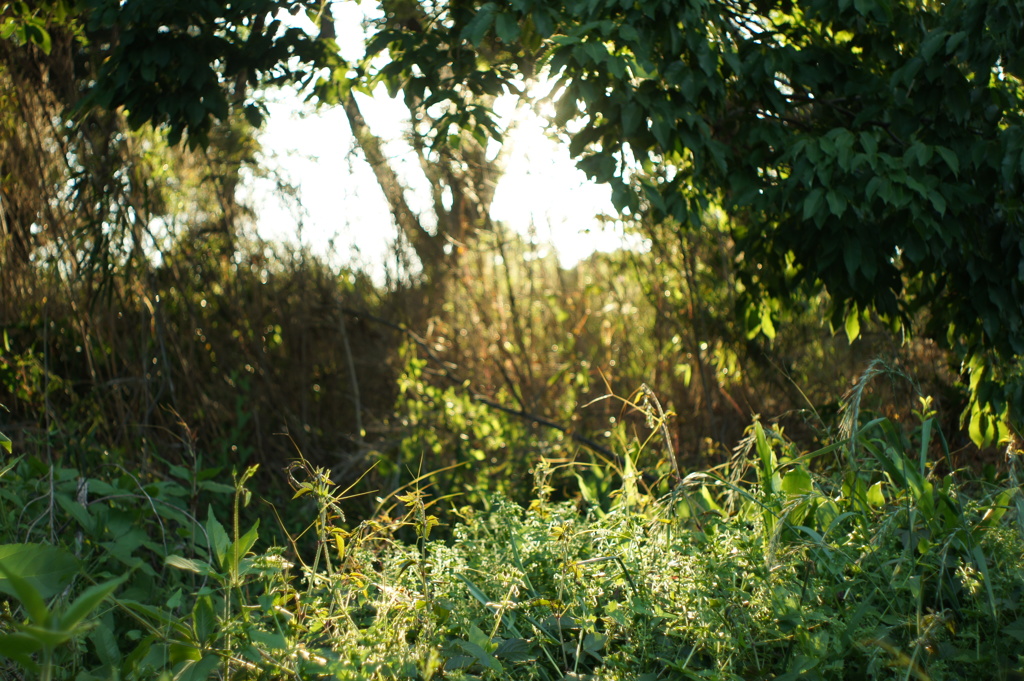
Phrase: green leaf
x=204 y=619
x=199 y=671
x=77 y=511
x=103 y=642
x=190 y=564
x=813 y=202
x=238 y=550
x=852 y=256
x=981 y=430
x=89 y=600
x=164 y=617
x=1015 y=629
x=797 y=482
x=875 y=496
x=769 y=477
x=19 y=648
x=218 y=538
x=921 y=152
x=998 y=508
x=852 y=324
x=484 y=658
x=869 y=143
x=836 y=202
x=951 y=159
x=543 y=21
x=507 y=27
x=47 y=569
x=5 y=443
x=931 y=44
x=767 y=327
x=477 y=28
x=29 y=596
x=478 y=637
x=273 y=641
x=594 y=643
x=515 y=650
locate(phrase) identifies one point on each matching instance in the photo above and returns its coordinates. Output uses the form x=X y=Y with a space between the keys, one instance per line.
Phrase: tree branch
x=429 y=249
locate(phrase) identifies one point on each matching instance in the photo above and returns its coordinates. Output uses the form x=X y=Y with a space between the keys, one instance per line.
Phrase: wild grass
x=849 y=561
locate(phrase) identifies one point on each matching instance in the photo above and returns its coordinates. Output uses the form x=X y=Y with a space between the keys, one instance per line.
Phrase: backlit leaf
x=797 y=482
x=852 y=324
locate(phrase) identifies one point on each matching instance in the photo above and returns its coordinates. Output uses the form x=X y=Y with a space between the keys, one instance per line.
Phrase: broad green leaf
x=5 y=443
x=47 y=635
x=238 y=550
x=515 y=650
x=938 y=201
x=179 y=652
x=998 y=509
x=29 y=596
x=457 y=662
x=875 y=496
x=204 y=620
x=813 y=202
x=484 y=658
x=852 y=324
x=767 y=327
x=1015 y=629
x=11 y=463
x=190 y=564
x=76 y=511
x=477 y=28
x=797 y=482
x=273 y=641
x=47 y=569
x=836 y=202
x=89 y=600
x=200 y=670
x=594 y=643
x=478 y=637
x=507 y=28
x=164 y=617
x=980 y=429
x=852 y=256
x=19 y=647
x=950 y=158
x=218 y=487
x=107 y=650
x=869 y=143
x=218 y=538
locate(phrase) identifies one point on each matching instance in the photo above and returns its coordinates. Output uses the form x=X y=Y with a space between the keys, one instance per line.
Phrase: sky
x=343 y=212
x=342 y=203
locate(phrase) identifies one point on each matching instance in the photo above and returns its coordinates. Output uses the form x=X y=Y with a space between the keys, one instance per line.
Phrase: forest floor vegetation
x=853 y=560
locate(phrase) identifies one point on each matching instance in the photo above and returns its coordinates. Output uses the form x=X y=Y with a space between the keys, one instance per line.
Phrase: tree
x=186 y=65
x=872 y=148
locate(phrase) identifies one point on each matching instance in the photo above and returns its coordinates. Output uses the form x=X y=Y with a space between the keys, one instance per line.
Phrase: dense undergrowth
x=849 y=561
x=232 y=459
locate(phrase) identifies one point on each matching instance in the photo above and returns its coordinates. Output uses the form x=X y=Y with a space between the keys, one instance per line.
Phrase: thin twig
x=449 y=373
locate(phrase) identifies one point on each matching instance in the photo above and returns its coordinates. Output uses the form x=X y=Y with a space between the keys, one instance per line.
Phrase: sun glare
x=341 y=211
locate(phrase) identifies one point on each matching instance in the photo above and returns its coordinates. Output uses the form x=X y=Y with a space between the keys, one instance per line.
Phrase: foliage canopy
x=872 y=148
